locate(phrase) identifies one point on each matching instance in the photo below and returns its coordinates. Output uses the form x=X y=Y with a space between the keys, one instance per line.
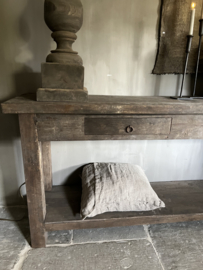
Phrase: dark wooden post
x=34 y=179
x=47 y=165
x=63 y=72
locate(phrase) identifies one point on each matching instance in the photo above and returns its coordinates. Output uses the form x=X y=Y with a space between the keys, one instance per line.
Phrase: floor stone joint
x=71 y=238
x=22 y=257
x=146 y=228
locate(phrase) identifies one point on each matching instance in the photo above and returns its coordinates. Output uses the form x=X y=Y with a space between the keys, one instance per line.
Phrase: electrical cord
x=19 y=194
x=19 y=191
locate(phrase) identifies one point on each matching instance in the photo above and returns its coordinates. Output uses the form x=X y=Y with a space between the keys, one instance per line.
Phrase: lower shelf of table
x=183 y=199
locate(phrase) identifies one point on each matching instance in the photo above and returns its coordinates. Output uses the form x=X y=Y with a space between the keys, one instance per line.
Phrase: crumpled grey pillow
x=111 y=187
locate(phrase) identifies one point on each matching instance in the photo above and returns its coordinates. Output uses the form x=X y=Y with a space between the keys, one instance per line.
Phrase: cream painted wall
x=118 y=44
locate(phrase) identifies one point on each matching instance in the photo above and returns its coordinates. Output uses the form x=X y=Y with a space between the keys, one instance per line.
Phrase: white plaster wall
x=118 y=44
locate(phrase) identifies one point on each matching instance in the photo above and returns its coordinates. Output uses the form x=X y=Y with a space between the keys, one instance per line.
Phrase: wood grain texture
x=34 y=179
x=187 y=127
x=183 y=201
x=62 y=76
x=175 y=21
x=118 y=126
x=62 y=95
x=99 y=105
x=64 y=18
x=63 y=15
x=59 y=127
x=72 y=127
x=47 y=164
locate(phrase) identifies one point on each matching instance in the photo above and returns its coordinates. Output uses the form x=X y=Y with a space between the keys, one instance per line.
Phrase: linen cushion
x=110 y=187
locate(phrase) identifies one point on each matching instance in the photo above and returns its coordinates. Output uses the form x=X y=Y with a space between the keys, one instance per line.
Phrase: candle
x=192 y=21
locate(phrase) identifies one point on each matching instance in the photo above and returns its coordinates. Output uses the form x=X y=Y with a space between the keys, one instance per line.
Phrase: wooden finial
x=63 y=72
x=64 y=18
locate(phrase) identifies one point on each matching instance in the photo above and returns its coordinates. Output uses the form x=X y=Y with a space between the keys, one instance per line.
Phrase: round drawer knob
x=129 y=129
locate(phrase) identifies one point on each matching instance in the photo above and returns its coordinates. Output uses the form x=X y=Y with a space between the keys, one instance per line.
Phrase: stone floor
x=170 y=246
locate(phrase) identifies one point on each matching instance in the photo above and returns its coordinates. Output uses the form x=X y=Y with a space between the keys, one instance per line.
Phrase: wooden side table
x=102 y=118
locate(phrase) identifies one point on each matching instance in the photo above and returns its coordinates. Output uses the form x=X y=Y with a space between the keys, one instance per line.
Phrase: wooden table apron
x=102 y=118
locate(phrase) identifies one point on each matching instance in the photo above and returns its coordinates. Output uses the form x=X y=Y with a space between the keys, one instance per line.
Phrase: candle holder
x=198 y=57
x=188 y=48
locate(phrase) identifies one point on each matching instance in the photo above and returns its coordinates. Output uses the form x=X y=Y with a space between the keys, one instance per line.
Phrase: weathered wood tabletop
x=101 y=118
x=105 y=105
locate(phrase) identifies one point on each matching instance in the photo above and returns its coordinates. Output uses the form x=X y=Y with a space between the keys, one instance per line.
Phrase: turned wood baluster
x=63 y=72
x=64 y=18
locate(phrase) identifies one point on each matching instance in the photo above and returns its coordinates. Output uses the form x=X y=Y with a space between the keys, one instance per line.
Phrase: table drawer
x=61 y=127
x=127 y=126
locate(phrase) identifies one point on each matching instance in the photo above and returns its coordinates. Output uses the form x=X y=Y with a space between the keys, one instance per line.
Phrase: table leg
x=32 y=159
x=47 y=166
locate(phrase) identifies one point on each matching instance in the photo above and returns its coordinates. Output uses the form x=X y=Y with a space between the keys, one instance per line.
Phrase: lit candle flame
x=193 y=5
